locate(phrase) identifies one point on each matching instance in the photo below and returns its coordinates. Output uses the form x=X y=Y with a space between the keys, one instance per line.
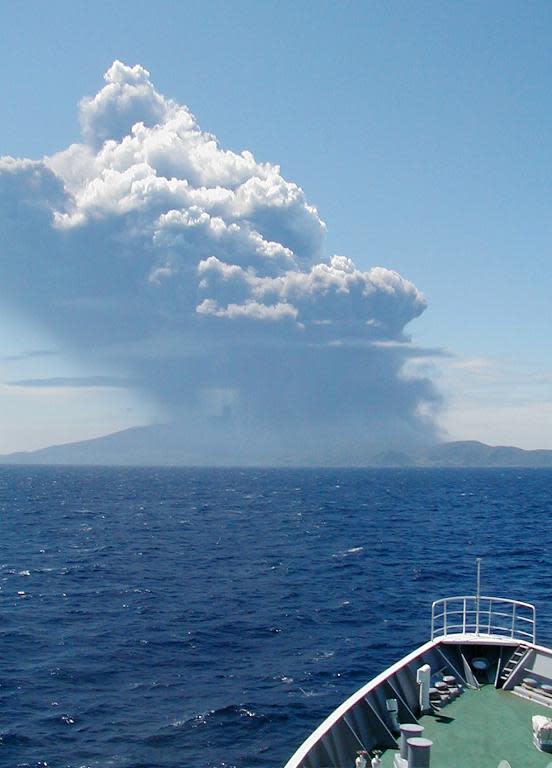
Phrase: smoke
x=198 y=275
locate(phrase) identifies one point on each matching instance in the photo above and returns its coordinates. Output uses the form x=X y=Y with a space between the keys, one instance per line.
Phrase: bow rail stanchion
x=477 y=594
x=483 y=616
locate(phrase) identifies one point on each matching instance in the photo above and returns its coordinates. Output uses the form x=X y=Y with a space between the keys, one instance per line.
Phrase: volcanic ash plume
x=200 y=276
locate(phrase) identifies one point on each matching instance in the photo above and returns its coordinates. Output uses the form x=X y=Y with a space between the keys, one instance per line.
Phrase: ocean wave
x=224 y=641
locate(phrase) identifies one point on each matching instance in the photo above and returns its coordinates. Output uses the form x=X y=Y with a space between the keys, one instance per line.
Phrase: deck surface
x=481 y=728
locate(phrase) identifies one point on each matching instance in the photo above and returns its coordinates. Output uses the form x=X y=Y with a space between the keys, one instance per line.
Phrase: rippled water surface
x=164 y=618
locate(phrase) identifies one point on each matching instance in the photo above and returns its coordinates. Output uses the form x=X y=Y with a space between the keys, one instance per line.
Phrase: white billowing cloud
x=193 y=229
x=150 y=228
x=151 y=155
x=249 y=309
x=334 y=294
x=127 y=97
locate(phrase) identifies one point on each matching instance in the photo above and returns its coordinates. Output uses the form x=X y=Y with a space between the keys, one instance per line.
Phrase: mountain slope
x=164 y=445
x=470 y=453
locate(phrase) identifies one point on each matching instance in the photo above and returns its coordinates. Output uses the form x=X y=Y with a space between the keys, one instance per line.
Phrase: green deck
x=481 y=728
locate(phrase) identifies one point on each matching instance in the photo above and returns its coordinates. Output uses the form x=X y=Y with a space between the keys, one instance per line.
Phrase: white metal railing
x=483 y=615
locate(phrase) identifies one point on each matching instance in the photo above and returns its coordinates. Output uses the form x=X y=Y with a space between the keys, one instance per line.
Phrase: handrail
x=483 y=615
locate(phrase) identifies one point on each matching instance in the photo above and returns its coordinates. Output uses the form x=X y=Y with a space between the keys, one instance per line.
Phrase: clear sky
x=420 y=131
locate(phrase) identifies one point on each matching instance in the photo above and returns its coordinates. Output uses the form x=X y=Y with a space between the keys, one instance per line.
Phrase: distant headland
x=465 y=453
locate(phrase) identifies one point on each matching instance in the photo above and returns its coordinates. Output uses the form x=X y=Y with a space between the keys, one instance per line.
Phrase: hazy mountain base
x=211 y=446
x=164 y=446
x=465 y=453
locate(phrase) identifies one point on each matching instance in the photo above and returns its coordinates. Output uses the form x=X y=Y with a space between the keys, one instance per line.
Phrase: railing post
x=483 y=621
x=478 y=595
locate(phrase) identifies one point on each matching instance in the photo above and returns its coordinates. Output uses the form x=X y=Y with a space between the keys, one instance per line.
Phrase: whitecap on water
x=246 y=712
x=348 y=552
x=308 y=694
x=284 y=679
x=202 y=717
x=67 y=719
x=320 y=655
x=178 y=723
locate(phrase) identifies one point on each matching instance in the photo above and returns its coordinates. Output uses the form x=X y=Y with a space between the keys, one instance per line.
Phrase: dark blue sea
x=158 y=618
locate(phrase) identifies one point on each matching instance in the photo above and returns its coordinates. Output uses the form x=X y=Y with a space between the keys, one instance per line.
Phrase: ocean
x=167 y=618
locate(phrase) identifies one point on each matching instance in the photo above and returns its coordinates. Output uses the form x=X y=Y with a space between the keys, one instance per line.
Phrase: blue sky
x=420 y=131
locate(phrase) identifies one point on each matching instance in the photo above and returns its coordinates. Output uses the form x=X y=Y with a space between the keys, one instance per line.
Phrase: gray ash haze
x=198 y=276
